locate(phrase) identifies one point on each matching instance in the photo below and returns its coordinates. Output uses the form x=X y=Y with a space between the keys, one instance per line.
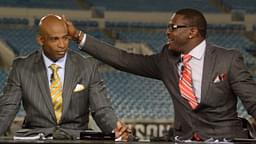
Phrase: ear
x=193 y=32
x=40 y=40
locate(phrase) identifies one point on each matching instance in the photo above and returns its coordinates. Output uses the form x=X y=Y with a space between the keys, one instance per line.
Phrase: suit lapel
x=43 y=83
x=174 y=60
x=71 y=76
x=209 y=64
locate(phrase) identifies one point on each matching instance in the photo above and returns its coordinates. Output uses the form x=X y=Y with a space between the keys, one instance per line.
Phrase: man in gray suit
x=81 y=90
x=219 y=77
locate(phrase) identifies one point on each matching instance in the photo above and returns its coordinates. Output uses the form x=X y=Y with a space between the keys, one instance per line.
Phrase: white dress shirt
x=196 y=63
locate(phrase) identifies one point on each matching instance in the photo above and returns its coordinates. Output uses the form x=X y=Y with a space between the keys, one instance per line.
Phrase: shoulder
x=25 y=60
x=224 y=52
x=82 y=60
x=24 y=64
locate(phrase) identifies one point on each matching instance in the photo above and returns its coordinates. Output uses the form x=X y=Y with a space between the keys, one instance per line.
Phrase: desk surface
x=8 y=140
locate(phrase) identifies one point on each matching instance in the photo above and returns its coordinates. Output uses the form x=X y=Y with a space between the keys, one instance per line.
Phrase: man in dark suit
x=218 y=78
x=57 y=104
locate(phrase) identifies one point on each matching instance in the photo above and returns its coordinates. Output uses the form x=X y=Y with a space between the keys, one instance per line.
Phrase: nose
x=167 y=32
x=61 y=43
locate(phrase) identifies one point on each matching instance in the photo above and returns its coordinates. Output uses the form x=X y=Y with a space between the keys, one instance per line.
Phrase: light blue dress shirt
x=61 y=71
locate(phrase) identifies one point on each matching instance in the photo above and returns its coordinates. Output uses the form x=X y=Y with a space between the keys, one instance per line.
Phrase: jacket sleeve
x=143 y=65
x=243 y=84
x=10 y=99
x=100 y=105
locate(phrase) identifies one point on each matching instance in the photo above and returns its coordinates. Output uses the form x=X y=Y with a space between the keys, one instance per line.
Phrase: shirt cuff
x=81 y=44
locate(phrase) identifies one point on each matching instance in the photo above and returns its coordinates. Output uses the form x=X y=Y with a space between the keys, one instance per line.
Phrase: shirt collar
x=198 y=51
x=61 y=62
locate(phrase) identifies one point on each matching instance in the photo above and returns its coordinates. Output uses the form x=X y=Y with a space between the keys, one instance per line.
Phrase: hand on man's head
x=72 y=31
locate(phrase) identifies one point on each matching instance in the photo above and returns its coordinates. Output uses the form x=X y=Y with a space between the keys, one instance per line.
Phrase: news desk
x=10 y=141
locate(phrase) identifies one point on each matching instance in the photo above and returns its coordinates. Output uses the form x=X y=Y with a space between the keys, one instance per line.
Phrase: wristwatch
x=78 y=36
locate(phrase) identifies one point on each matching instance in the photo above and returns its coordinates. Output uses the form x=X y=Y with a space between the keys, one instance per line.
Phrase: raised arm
x=134 y=63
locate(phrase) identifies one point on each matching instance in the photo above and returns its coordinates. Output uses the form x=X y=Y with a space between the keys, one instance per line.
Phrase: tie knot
x=54 y=67
x=186 y=58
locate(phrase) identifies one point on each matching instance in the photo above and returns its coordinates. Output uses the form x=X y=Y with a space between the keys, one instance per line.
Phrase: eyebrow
x=57 y=36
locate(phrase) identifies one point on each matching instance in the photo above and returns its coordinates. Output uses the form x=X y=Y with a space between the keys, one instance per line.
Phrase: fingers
x=123 y=137
x=68 y=23
x=120 y=128
x=72 y=31
x=64 y=18
x=122 y=131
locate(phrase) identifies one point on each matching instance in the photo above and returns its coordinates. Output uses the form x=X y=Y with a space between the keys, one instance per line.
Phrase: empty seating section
x=226 y=27
x=135 y=97
x=140 y=25
x=88 y=23
x=16 y=21
x=136 y=5
x=22 y=41
x=77 y=23
x=101 y=35
x=57 y=4
x=153 y=5
x=246 y=5
x=153 y=39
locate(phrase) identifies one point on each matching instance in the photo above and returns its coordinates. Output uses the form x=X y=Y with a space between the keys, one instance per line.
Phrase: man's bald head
x=53 y=36
x=49 y=23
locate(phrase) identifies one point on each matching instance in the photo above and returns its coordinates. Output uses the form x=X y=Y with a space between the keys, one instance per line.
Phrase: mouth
x=170 y=40
x=61 y=53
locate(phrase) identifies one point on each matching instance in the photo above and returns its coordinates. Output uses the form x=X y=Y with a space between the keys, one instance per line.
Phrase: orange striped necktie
x=56 y=91
x=185 y=82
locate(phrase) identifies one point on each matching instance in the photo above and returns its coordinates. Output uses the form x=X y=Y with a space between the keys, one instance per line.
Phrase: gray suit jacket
x=216 y=116
x=28 y=83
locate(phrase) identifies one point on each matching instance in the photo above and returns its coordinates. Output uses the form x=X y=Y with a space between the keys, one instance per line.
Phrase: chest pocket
x=218 y=93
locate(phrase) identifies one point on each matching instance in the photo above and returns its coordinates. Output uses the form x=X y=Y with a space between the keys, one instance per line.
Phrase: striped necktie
x=56 y=91
x=185 y=82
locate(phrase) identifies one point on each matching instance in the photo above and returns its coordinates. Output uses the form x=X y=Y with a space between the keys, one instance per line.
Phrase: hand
x=122 y=131
x=72 y=31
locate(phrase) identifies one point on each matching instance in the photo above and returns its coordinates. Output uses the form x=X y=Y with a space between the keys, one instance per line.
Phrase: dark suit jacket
x=27 y=82
x=216 y=116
